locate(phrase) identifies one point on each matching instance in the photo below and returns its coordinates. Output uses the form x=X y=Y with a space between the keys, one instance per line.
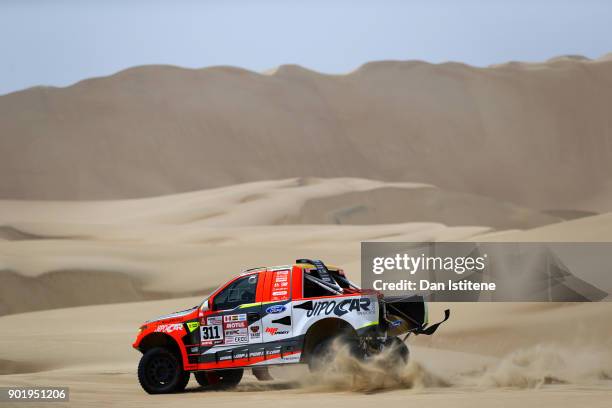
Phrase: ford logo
x=276 y=309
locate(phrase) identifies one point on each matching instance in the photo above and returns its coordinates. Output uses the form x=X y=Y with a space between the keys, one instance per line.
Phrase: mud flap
x=429 y=330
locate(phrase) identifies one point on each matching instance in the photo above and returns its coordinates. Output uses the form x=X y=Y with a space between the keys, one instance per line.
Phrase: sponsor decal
x=235 y=325
x=276 y=309
x=280 y=285
x=214 y=320
x=191 y=326
x=270 y=352
x=341 y=307
x=235 y=318
x=273 y=331
x=237 y=340
x=169 y=328
x=235 y=332
x=254 y=332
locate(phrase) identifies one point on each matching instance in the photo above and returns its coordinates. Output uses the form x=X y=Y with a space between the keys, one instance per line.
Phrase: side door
x=235 y=311
x=277 y=320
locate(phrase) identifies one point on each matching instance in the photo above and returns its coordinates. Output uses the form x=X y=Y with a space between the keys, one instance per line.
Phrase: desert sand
x=79 y=277
x=501 y=355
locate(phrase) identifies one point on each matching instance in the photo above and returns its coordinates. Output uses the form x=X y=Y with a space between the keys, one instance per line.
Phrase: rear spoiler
x=412 y=309
x=429 y=330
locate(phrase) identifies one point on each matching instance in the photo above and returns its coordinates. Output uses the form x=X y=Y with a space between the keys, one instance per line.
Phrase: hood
x=176 y=316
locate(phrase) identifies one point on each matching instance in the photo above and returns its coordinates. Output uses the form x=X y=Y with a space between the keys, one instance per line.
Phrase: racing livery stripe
x=368 y=325
x=246 y=305
x=266 y=351
x=241 y=362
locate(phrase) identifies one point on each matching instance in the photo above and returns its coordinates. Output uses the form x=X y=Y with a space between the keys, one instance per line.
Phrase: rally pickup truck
x=268 y=316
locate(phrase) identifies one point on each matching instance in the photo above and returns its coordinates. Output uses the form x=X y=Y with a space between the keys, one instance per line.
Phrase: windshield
x=206 y=297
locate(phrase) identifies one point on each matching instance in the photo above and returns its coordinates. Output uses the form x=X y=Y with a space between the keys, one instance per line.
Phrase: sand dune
x=388 y=205
x=298 y=201
x=61 y=254
x=596 y=228
x=533 y=134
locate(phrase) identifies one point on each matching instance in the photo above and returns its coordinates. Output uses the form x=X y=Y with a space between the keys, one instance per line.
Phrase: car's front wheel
x=161 y=372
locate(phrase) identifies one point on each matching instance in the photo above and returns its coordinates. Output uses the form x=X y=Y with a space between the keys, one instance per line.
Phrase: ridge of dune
x=297 y=68
x=596 y=228
x=292 y=201
x=157 y=130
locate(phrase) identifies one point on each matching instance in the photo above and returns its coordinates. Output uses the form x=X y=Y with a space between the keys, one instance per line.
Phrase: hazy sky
x=46 y=42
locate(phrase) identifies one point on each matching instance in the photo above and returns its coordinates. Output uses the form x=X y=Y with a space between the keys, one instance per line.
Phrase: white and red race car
x=267 y=316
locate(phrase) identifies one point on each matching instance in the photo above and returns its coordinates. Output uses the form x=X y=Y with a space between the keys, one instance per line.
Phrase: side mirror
x=205 y=306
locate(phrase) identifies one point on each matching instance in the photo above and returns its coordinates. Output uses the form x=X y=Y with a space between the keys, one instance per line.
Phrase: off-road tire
x=322 y=353
x=183 y=382
x=161 y=372
x=399 y=350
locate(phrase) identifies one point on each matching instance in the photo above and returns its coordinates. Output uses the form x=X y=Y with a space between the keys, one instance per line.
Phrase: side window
x=312 y=289
x=242 y=290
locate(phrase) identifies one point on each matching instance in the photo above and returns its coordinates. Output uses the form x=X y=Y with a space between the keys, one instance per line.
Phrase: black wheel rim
x=161 y=371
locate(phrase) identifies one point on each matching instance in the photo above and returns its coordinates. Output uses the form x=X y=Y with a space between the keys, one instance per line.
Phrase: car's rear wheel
x=220 y=379
x=161 y=372
x=396 y=352
x=323 y=353
x=320 y=355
